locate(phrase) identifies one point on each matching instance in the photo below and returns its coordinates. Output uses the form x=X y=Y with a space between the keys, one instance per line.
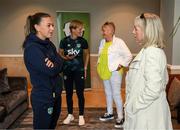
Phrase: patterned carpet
x=91 y=117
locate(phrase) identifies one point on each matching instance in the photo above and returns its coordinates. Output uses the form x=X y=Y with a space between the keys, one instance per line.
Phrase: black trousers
x=45 y=113
x=77 y=77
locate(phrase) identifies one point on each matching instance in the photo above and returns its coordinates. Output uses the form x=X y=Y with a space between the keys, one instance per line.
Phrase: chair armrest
x=17 y=83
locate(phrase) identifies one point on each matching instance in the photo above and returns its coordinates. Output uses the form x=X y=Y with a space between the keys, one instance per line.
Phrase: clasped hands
x=119 y=67
x=49 y=63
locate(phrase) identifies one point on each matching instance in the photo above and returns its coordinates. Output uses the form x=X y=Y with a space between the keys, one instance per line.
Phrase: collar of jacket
x=33 y=38
x=139 y=56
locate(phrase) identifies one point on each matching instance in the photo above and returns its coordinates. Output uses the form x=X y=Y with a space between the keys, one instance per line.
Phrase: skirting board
x=11 y=55
x=174 y=69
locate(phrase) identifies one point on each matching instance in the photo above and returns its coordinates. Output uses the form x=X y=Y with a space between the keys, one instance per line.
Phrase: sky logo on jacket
x=73 y=52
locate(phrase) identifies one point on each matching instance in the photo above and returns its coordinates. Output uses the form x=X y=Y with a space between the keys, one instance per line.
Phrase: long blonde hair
x=153 y=29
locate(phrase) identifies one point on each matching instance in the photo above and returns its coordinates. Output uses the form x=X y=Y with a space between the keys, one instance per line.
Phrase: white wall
x=176 y=39
x=167 y=17
x=170 y=12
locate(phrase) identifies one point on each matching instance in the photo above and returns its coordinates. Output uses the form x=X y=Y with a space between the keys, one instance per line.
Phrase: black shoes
x=106 y=117
x=119 y=123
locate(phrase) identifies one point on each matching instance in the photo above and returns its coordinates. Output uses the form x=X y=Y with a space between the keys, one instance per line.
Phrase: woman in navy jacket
x=44 y=65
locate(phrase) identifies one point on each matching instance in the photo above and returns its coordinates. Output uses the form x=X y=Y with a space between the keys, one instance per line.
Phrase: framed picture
x=63 y=21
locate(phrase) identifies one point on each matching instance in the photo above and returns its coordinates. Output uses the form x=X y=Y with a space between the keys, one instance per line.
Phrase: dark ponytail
x=27 y=26
x=30 y=22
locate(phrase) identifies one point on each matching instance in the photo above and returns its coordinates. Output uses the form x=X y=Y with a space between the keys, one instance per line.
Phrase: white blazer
x=118 y=53
x=146 y=106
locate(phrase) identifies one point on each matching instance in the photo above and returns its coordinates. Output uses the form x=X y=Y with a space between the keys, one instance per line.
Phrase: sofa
x=13 y=98
x=173 y=95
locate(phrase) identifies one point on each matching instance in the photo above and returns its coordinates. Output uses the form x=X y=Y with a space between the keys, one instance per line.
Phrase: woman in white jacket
x=113 y=56
x=146 y=106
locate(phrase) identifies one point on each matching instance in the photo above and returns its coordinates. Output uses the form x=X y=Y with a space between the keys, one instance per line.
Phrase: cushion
x=11 y=100
x=4 y=86
x=174 y=93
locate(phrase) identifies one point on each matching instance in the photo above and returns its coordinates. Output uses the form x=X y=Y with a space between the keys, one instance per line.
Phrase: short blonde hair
x=153 y=29
x=75 y=24
x=111 y=24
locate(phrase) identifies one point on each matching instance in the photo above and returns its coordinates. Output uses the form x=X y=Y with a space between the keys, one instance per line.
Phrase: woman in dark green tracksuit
x=44 y=65
x=72 y=49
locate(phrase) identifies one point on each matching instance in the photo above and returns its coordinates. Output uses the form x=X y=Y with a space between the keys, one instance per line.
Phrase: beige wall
x=121 y=12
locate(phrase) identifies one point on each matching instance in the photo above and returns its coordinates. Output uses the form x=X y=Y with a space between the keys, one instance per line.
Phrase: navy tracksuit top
x=45 y=80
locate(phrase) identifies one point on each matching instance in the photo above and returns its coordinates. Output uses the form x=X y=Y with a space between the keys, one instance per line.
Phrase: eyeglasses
x=143 y=17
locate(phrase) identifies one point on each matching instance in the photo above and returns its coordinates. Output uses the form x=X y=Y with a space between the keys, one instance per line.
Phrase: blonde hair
x=153 y=29
x=111 y=24
x=75 y=24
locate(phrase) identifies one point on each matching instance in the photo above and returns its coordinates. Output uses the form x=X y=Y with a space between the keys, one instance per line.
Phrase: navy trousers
x=46 y=114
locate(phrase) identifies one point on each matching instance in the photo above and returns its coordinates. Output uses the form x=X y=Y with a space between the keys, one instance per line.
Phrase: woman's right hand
x=119 y=67
x=70 y=57
x=49 y=63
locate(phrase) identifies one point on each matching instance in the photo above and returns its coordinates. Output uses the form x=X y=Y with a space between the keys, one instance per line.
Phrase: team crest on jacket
x=78 y=45
x=50 y=110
